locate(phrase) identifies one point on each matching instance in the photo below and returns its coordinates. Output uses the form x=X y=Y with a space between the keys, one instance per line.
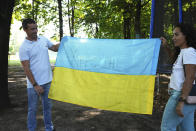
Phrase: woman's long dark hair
x=190 y=35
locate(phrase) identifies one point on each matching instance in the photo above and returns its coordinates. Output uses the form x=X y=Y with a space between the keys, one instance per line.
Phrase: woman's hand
x=163 y=41
x=179 y=109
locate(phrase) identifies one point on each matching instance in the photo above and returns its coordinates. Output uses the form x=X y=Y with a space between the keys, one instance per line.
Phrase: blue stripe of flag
x=111 y=56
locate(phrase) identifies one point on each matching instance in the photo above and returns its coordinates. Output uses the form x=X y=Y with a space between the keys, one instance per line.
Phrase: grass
x=14 y=63
x=52 y=61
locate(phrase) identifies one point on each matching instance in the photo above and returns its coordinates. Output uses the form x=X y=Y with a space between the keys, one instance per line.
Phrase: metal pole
x=152 y=18
x=180 y=10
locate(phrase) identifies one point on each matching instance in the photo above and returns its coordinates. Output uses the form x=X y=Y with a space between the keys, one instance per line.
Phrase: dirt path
x=69 y=117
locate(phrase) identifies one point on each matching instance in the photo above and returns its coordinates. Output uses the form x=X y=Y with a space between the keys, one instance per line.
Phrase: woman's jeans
x=171 y=120
x=32 y=108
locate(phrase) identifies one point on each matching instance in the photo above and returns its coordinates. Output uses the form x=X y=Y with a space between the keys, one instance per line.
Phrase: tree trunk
x=127 y=20
x=158 y=19
x=32 y=12
x=137 y=28
x=35 y=7
x=159 y=31
x=6 y=9
x=68 y=14
x=71 y=18
x=60 y=19
x=96 y=30
x=126 y=28
x=36 y=11
x=191 y=13
x=176 y=12
x=137 y=19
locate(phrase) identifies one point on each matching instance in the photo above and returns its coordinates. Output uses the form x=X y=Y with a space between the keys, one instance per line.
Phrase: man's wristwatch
x=35 y=84
x=181 y=99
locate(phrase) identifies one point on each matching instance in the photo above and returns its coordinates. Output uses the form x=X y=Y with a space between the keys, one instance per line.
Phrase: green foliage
x=100 y=19
x=170 y=19
x=43 y=11
x=12 y=50
x=103 y=18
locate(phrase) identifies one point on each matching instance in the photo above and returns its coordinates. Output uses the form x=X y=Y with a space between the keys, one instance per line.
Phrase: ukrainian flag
x=109 y=74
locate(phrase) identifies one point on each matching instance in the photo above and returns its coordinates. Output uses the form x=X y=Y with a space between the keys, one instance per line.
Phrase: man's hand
x=179 y=109
x=55 y=47
x=39 y=89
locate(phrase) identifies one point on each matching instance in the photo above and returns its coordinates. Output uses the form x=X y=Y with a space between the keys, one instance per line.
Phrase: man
x=35 y=61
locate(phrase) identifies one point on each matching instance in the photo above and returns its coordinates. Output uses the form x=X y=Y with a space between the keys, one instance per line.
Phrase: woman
x=177 y=113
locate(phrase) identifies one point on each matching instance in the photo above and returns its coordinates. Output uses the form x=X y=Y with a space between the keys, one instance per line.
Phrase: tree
x=38 y=10
x=139 y=6
x=189 y=9
x=6 y=9
x=158 y=29
x=60 y=19
x=175 y=5
x=35 y=6
x=126 y=7
x=71 y=16
x=127 y=20
x=158 y=19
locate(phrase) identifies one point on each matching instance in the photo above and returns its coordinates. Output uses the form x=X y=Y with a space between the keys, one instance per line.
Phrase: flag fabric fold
x=109 y=74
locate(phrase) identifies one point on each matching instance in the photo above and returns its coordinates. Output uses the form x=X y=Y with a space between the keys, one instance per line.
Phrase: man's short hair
x=27 y=21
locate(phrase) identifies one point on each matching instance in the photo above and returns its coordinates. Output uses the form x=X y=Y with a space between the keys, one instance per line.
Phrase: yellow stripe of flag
x=124 y=93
